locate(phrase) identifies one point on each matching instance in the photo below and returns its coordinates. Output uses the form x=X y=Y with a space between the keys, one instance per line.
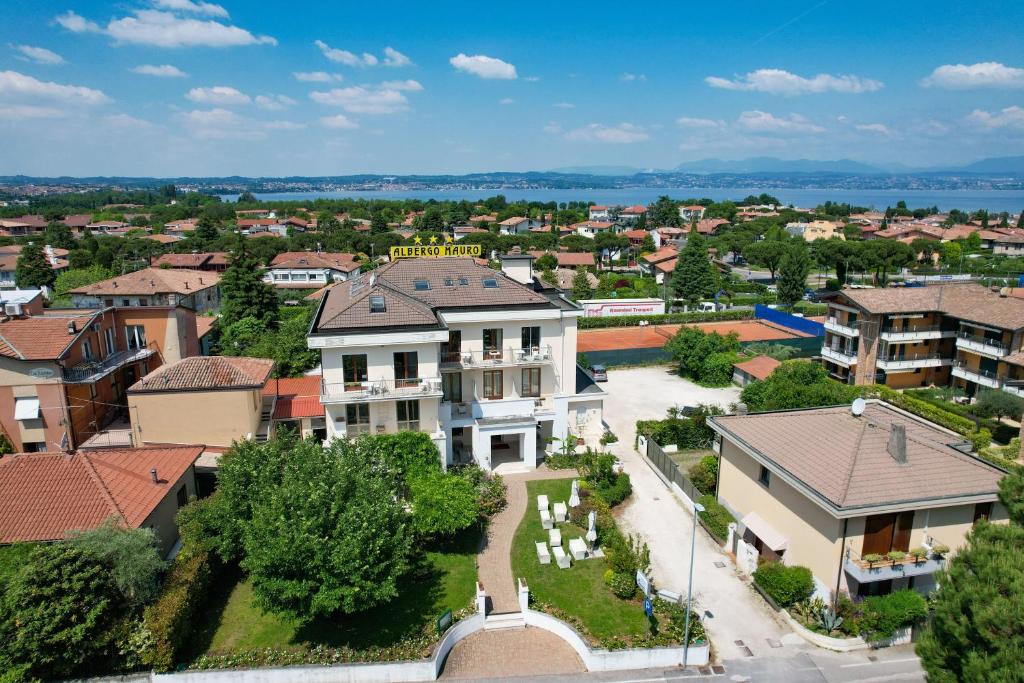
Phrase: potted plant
x=940 y=550
x=896 y=556
x=872 y=559
x=919 y=554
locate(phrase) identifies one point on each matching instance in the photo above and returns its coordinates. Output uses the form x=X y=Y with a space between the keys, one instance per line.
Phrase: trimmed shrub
x=883 y=615
x=616 y=492
x=170 y=619
x=704 y=474
x=715 y=518
x=785 y=585
x=623 y=585
x=666 y=318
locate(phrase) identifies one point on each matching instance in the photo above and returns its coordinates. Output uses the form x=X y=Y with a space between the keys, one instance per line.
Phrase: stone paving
x=511 y=652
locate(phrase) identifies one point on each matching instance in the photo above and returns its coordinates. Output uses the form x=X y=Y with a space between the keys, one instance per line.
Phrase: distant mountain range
x=773 y=165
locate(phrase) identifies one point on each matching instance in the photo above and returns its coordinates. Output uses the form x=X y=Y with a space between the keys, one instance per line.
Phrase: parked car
x=598 y=373
x=710 y=307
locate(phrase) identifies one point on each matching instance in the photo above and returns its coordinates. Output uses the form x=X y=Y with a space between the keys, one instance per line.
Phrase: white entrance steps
x=507 y=620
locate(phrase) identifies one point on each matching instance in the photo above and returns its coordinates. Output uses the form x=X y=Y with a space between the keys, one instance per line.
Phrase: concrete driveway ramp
x=513 y=652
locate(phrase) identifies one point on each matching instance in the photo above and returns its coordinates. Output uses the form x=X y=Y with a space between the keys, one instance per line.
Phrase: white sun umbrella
x=592 y=528
x=574 y=497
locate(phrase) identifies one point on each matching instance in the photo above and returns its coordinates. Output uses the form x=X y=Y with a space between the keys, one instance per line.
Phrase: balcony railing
x=90 y=371
x=911 y=361
x=835 y=325
x=985 y=378
x=380 y=390
x=982 y=345
x=885 y=569
x=845 y=357
x=1014 y=386
x=490 y=358
x=917 y=333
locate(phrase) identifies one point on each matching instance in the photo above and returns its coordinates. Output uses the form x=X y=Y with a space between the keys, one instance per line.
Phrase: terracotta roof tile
x=42 y=337
x=297 y=397
x=149 y=281
x=758 y=367
x=197 y=260
x=965 y=301
x=205 y=373
x=346 y=263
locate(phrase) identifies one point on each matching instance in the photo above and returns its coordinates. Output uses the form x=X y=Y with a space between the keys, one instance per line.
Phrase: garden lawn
x=447 y=580
x=579 y=590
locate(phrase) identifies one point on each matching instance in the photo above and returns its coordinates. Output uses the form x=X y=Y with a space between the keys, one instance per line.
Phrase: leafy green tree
x=338 y=546
x=835 y=254
x=206 y=232
x=79 y=277
x=952 y=253
x=132 y=555
x=793 y=272
x=58 y=611
x=547 y=262
x=998 y=404
x=442 y=503
x=378 y=222
x=797 y=384
x=706 y=357
x=247 y=198
x=32 y=269
x=104 y=256
x=767 y=253
x=580 y=285
x=79 y=259
x=59 y=235
x=664 y=212
x=694 y=277
x=648 y=245
x=884 y=257
x=244 y=293
x=972 y=243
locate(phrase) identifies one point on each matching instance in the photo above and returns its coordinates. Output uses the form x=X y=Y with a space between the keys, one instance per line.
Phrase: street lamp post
x=697 y=509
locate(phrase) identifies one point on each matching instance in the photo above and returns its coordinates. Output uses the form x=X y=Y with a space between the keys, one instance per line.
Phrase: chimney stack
x=898 y=443
x=152 y=475
x=741 y=409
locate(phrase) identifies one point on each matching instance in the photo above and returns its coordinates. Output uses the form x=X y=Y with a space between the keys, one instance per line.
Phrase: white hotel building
x=481 y=362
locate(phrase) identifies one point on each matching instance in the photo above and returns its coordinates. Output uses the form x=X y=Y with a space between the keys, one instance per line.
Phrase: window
x=451 y=350
x=34 y=447
x=108 y=302
x=406 y=369
x=531 y=337
x=531 y=382
x=883 y=533
x=377 y=304
x=463 y=281
x=408 y=415
x=451 y=387
x=982 y=511
x=353 y=369
x=421 y=285
x=492 y=342
x=298 y=276
x=448 y=282
x=182 y=496
x=135 y=335
x=143 y=302
x=357 y=417
x=764 y=476
x=490 y=283
x=108 y=335
x=126 y=302
x=87 y=349
x=492 y=384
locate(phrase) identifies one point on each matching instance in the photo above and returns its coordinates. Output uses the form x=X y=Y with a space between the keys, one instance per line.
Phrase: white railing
x=910 y=362
x=982 y=345
x=380 y=390
x=917 y=334
x=839 y=356
x=985 y=378
x=833 y=325
x=489 y=358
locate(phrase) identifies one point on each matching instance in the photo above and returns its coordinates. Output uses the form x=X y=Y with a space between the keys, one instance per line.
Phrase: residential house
x=518 y=225
x=57 y=258
x=636 y=238
x=162 y=238
x=598 y=212
x=952 y=334
x=483 y=364
x=16 y=302
x=214 y=261
x=592 y=229
x=632 y=214
x=297 y=405
x=710 y=226
x=462 y=230
x=689 y=214
x=194 y=289
x=307 y=269
x=117 y=228
x=831 y=488
x=569 y=259
x=756 y=368
x=45 y=497
x=255 y=225
x=77 y=223
x=211 y=400
x=22 y=225
x=1008 y=245
x=816 y=230
x=660 y=263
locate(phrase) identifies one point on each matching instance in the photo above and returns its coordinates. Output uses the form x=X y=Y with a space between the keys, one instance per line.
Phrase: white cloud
x=193 y=7
x=409 y=85
x=624 y=133
x=531 y=79
x=627 y=77
x=688 y=122
x=483 y=66
x=506 y=100
x=160 y=71
x=284 y=125
x=39 y=55
x=553 y=128
x=338 y=122
x=873 y=128
x=394 y=58
x=980 y=75
x=565 y=105
x=220 y=124
x=274 y=102
x=165 y=29
x=14 y=85
x=21 y=112
x=127 y=122
x=763 y=122
x=1010 y=117
x=316 y=76
x=361 y=100
x=780 y=82
x=344 y=56
x=219 y=95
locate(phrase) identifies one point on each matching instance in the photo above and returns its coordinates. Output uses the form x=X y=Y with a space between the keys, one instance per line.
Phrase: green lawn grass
x=579 y=590
x=446 y=579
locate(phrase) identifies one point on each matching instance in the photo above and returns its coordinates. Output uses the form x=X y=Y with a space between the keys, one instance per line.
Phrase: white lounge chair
x=578 y=548
x=545 y=520
x=561 y=559
x=542 y=502
x=543 y=556
x=561 y=512
x=555 y=538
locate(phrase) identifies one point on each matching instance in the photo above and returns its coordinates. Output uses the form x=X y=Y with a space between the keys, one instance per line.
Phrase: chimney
x=741 y=408
x=152 y=475
x=898 y=443
x=72 y=328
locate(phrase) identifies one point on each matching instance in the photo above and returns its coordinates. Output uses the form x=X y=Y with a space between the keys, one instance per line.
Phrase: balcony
x=380 y=390
x=833 y=325
x=912 y=362
x=494 y=358
x=1014 y=386
x=886 y=569
x=985 y=378
x=981 y=345
x=917 y=334
x=90 y=371
x=511 y=409
x=842 y=356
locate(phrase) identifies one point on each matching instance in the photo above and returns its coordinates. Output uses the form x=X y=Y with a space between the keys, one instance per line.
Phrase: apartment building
x=962 y=335
x=306 y=269
x=598 y=212
x=881 y=480
x=688 y=214
x=194 y=289
x=816 y=230
x=481 y=362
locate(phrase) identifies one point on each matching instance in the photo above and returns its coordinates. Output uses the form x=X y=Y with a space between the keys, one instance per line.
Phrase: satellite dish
x=858 y=407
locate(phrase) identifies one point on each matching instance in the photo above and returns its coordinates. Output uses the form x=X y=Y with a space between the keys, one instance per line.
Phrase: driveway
x=733 y=612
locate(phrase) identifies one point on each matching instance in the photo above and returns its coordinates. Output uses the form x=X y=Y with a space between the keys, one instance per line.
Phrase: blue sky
x=187 y=87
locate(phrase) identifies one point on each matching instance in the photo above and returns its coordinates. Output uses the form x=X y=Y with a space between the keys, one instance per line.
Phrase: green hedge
x=883 y=615
x=785 y=585
x=939 y=415
x=170 y=619
x=663 y=319
x=1001 y=431
x=715 y=518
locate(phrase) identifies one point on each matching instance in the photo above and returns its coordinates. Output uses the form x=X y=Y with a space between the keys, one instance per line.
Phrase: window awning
x=768 y=534
x=26 y=409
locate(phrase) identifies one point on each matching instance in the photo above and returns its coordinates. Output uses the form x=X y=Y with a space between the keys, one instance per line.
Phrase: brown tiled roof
x=206 y=373
x=204 y=323
x=968 y=302
x=191 y=260
x=161 y=238
x=296 y=397
x=515 y=220
x=347 y=305
x=43 y=496
x=568 y=259
x=844 y=459
x=43 y=337
x=346 y=263
x=77 y=220
x=663 y=254
x=152 y=281
x=635 y=209
x=758 y=367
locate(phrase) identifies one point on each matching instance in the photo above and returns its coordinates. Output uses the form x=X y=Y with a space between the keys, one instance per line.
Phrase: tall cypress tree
x=32 y=269
x=694 y=277
x=244 y=292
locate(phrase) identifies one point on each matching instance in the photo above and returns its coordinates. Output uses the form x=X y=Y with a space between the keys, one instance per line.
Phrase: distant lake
x=966 y=200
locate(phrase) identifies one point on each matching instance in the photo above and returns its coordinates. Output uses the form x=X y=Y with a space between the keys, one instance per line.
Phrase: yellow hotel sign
x=436 y=251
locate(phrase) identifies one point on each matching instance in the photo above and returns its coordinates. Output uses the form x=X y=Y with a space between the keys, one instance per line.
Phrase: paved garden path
x=494 y=562
x=511 y=652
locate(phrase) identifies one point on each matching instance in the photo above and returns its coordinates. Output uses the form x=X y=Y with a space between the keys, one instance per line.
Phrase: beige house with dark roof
x=883 y=480
x=957 y=334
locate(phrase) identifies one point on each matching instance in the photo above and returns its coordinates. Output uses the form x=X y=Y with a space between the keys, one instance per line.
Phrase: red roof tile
x=758 y=367
x=43 y=337
x=205 y=373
